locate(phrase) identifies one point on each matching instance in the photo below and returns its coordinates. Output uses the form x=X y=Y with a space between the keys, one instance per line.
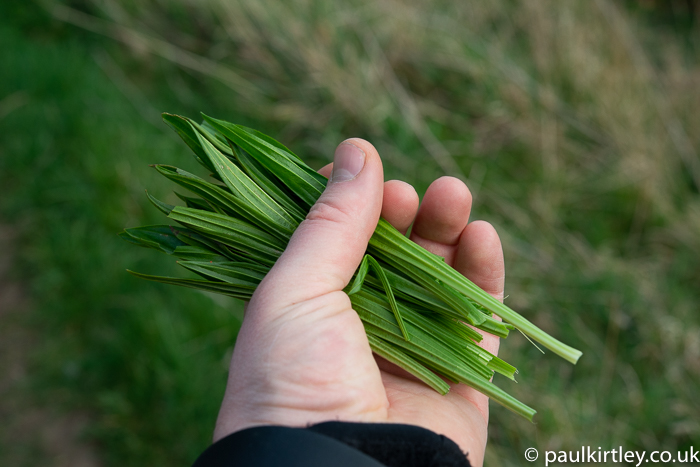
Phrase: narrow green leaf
x=456 y=371
x=196 y=253
x=301 y=180
x=389 y=241
x=457 y=326
x=182 y=127
x=265 y=180
x=161 y=206
x=192 y=238
x=497 y=328
x=444 y=292
x=395 y=356
x=247 y=239
x=377 y=313
x=213 y=137
x=208 y=286
x=434 y=355
x=360 y=275
x=284 y=151
x=159 y=237
x=242 y=186
x=409 y=291
x=271 y=142
x=226 y=201
x=196 y=203
x=389 y=294
x=502 y=367
x=232 y=273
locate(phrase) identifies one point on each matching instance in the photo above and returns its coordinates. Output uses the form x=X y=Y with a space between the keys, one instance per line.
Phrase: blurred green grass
x=574 y=124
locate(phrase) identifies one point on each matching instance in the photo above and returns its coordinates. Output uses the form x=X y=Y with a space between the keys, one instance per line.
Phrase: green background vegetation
x=575 y=124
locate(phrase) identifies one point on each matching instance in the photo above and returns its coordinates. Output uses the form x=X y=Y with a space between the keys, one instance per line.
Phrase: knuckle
x=328 y=211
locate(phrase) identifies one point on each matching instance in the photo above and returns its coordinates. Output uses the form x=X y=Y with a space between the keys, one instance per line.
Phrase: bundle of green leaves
x=418 y=312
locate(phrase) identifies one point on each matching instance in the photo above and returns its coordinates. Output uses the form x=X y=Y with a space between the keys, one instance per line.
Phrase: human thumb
x=329 y=244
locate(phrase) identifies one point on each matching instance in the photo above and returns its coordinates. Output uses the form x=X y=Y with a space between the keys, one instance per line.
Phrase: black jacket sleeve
x=337 y=444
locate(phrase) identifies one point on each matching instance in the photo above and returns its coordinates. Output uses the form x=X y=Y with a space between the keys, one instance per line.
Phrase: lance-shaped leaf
x=457 y=372
x=198 y=203
x=407 y=290
x=386 y=240
x=301 y=180
x=196 y=253
x=380 y=316
x=450 y=333
x=233 y=273
x=247 y=239
x=194 y=239
x=284 y=151
x=158 y=237
x=229 y=203
x=182 y=127
x=213 y=137
x=246 y=189
x=367 y=262
x=395 y=356
x=273 y=143
x=447 y=294
x=433 y=354
x=161 y=206
x=264 y=179
x=208 y=286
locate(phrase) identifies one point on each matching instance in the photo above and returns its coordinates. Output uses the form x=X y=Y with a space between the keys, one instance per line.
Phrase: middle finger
x=442 y=216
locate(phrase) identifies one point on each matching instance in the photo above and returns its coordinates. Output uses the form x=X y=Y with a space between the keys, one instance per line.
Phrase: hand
x=302 y=356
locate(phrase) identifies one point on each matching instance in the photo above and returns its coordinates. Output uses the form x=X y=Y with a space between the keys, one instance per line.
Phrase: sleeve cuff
x=339 y=444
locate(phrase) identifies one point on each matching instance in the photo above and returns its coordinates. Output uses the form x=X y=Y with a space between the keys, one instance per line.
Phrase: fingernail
x=347 y=163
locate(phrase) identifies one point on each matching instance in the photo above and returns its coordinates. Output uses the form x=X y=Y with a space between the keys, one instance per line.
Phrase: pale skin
x=302 y=356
